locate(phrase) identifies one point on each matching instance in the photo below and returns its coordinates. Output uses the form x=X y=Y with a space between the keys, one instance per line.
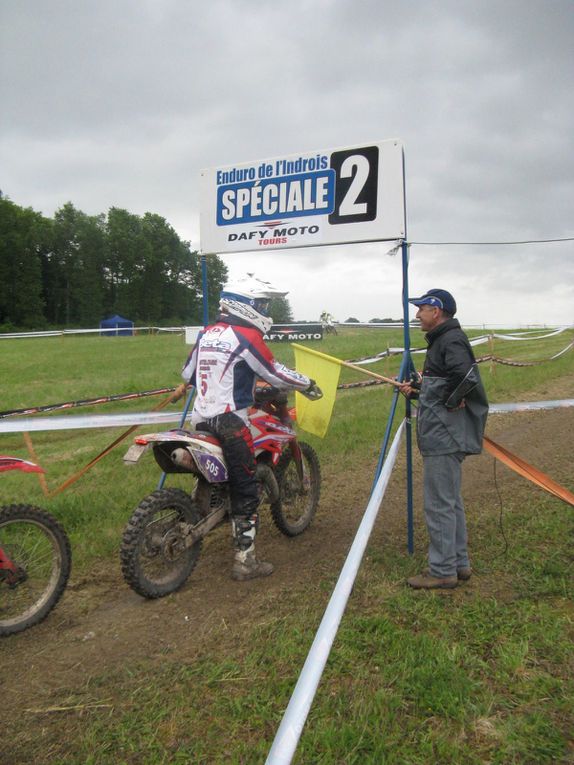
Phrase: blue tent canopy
x=119 y=324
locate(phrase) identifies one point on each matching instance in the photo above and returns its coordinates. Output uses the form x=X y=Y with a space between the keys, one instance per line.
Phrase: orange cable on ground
x=528 y=471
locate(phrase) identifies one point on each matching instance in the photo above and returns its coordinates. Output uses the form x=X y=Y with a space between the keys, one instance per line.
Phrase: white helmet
x=248 y=299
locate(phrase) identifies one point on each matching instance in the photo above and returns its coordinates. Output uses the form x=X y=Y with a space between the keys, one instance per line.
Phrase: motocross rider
x=224 y=365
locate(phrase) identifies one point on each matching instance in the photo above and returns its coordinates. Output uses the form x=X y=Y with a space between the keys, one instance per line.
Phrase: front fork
x=5 y=562
x=10 y=572
x=298 y=460
x=296 y=452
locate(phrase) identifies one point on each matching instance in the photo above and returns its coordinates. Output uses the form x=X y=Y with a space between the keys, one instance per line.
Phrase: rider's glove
x=313 y=392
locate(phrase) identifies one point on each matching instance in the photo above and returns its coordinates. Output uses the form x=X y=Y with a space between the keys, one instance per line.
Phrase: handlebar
x=267 y=394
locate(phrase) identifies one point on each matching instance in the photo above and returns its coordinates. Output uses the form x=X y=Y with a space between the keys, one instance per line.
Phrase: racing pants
x=237 y=446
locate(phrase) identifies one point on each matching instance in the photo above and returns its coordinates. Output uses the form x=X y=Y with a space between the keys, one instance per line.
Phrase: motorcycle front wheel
x=154 y=557
x=36 y=564
x=298 y=500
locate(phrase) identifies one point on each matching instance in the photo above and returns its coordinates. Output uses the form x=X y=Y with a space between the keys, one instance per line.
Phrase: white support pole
x=291 y=727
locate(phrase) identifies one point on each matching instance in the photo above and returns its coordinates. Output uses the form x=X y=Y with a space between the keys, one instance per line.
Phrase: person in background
x=451 y=418
x=224 y=365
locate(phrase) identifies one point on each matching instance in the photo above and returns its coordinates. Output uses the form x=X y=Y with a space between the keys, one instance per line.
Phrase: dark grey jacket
x=450 y=375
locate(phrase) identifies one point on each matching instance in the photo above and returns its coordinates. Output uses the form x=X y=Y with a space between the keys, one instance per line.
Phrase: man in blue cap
x=451 y=419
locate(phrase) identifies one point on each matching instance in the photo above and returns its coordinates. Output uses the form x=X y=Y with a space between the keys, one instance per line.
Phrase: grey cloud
x=123 y=103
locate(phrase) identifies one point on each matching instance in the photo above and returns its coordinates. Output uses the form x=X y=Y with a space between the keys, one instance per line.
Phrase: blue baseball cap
x=437 y=298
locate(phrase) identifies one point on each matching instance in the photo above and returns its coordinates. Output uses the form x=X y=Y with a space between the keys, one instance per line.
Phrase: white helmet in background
x=248 y=299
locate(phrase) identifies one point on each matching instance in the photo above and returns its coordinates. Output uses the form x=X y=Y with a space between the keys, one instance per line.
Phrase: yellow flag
x=314 y=416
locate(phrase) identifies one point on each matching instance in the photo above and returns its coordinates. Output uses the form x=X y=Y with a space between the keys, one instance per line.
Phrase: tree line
x=74 y=269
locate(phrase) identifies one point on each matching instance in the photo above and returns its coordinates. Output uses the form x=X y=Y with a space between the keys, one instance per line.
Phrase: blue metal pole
x=408 y=368
x=181 y=424
x=387 y=436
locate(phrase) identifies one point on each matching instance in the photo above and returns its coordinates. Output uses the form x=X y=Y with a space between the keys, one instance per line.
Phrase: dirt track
x=101 y=624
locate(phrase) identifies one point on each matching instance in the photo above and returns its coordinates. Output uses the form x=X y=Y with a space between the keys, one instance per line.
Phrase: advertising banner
x=327 y=197
x=291 y=333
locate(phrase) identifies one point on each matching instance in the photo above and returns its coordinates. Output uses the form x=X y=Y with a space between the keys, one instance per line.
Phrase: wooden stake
x=32 y=453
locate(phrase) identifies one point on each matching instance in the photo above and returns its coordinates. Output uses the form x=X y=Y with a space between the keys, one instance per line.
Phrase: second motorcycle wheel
x=154 y=556
x=299 y=499
x=35 y=565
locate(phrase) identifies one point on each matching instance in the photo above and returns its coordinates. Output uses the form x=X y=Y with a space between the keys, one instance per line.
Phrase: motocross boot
x=245 y=565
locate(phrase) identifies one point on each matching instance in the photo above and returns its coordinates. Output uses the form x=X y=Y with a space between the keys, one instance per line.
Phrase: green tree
x=152 y=275
x=24 y=236
x=216 y=278
x=280 y=310
x=73 y=269
x=172 y=273
x=125 y=262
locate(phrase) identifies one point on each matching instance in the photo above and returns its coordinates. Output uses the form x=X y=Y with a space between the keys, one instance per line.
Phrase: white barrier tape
x=75 y=422
x=479 y=340
x=80 y=422
x=291 y=727
x=560 y=353
x=473 y=342
x=540 y=329
x=527 y=336
x=530 y=406
x=100 y=331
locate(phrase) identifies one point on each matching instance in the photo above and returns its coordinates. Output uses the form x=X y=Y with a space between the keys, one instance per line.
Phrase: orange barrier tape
x=51 y=493
x=528 y=471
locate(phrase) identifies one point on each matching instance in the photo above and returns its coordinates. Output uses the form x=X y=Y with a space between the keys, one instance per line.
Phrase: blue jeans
x=444 y=514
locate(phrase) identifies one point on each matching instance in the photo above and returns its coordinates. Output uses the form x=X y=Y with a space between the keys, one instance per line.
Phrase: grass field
x=484 y=676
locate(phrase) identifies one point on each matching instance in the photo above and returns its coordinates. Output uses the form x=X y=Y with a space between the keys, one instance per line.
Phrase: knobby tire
x=38 y=545
x=297 y=505
x=154 y=559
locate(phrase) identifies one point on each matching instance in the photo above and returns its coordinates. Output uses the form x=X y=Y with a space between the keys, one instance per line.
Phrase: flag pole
x=347 y=364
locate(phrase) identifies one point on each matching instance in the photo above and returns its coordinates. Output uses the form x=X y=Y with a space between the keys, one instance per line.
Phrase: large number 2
x=356 y=168
x=356 y=184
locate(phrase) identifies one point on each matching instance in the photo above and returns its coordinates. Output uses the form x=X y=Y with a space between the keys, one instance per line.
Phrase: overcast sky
x=122 y=103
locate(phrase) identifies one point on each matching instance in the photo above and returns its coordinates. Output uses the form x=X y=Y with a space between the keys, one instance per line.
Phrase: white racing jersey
x=224 y=366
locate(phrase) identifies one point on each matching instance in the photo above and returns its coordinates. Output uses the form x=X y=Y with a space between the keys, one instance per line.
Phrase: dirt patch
x=101 y=625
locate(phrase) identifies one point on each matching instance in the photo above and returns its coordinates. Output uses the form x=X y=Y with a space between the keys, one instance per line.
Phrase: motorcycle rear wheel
x=36 y=543
x=298 y=502
x=154 y=558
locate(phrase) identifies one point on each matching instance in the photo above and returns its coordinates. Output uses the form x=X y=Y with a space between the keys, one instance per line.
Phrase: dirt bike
x=35 y=560
x=329 y=328
x=163 y=538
